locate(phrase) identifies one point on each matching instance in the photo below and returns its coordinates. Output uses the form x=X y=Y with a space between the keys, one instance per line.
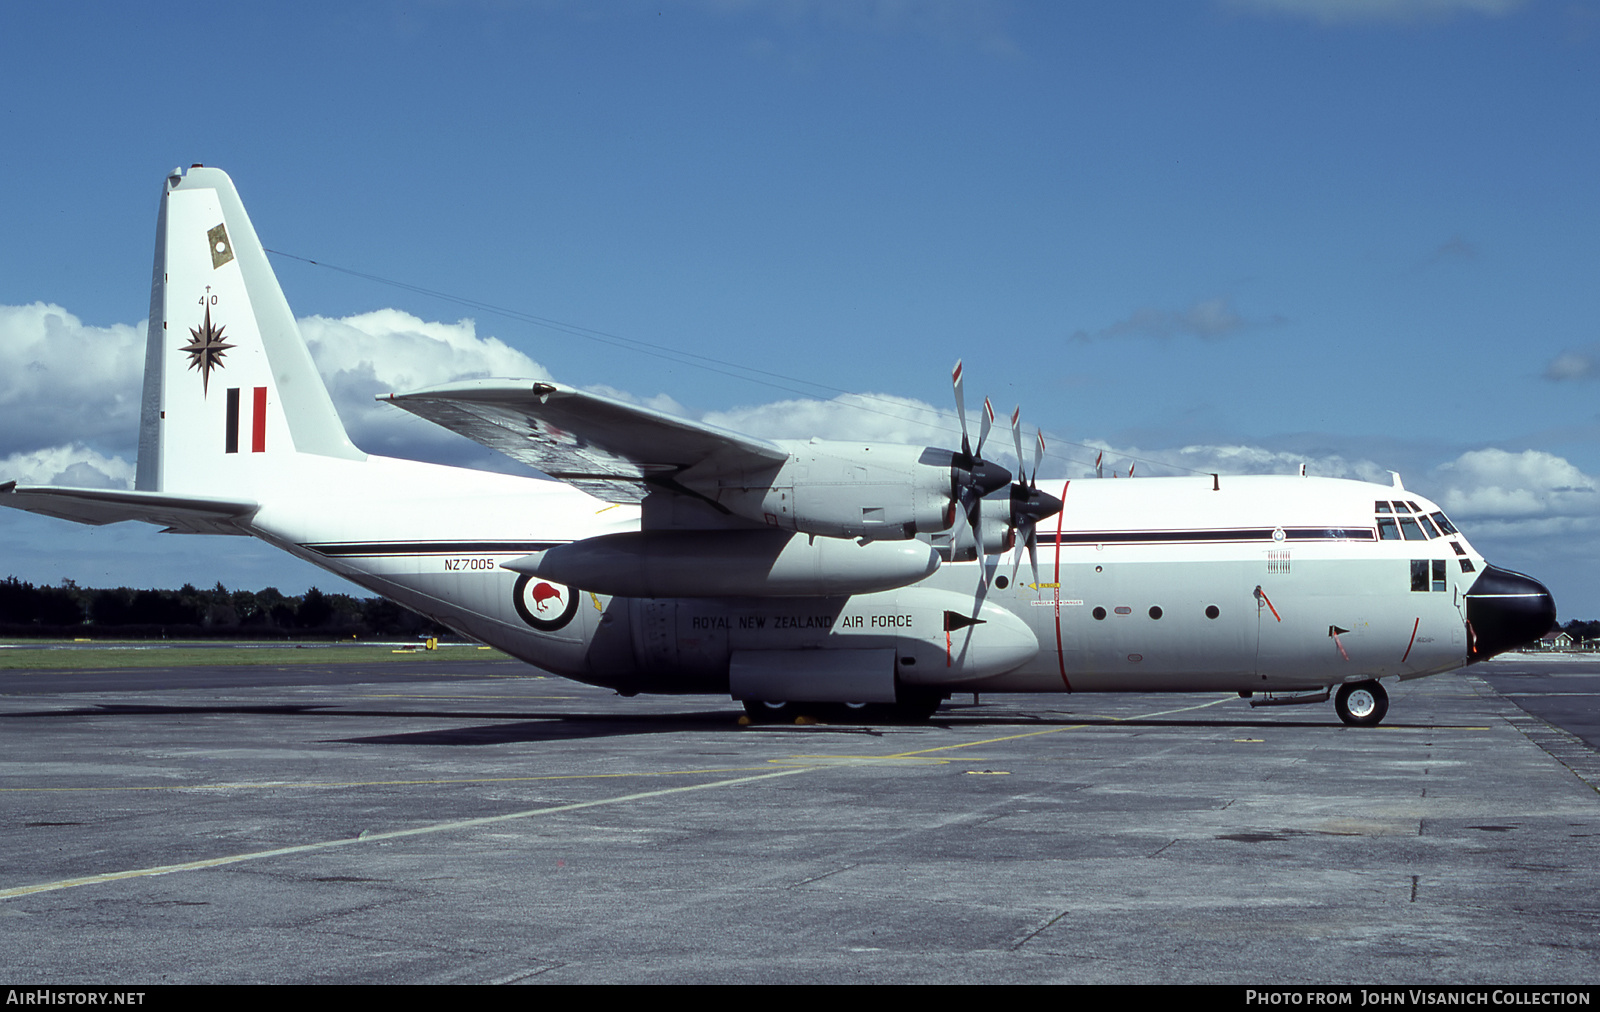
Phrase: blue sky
x=1234 y=235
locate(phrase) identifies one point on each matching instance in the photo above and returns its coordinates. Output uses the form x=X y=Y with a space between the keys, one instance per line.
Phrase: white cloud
x=868 y=417
x=70 y=464
x=390 y=351
x=1331 y=12
x=1210 y=459
x=1531 y=485
x=1574 y=365
x=660 y=402
x=1211 y=319
x=63 y=379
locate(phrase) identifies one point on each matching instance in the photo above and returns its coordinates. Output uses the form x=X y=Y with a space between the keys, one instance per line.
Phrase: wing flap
x=178 y=514
x=607 y=447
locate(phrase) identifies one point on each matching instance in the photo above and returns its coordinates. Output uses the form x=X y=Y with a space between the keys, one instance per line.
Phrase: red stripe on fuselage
x=1061 y=660
x=1414 y=626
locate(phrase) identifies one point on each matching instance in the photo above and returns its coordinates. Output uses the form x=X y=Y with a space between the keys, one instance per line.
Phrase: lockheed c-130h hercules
x=669 y=556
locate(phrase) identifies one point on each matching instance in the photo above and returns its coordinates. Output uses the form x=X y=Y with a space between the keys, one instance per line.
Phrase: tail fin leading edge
x=231 y=394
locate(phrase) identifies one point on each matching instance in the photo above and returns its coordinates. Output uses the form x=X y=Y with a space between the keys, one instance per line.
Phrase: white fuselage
x=1156 y=584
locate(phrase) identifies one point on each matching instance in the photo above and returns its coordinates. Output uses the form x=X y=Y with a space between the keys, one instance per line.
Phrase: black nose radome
x=1506 y=610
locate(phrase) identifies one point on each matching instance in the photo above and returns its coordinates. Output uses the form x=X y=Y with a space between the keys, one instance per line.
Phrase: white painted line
x=441 y=827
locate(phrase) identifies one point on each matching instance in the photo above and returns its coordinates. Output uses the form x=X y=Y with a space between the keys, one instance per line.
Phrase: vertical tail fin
x=231 y=395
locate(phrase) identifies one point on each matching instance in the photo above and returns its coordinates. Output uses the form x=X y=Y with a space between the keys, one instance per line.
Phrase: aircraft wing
x=609 y=448
x=178 y=514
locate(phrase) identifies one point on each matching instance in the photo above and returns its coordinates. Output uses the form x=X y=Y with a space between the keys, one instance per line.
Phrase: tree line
x=70 y=610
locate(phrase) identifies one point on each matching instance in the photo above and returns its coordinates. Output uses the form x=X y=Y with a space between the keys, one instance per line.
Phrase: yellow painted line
x=857 y=760
x=991 y=741
x=396 y=834
x=1058 y=730
x=420 y=695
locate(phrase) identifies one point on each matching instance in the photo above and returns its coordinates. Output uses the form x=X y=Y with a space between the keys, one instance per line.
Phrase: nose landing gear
x=1361 y=704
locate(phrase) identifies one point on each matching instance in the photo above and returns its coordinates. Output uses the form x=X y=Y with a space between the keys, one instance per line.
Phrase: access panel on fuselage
x=1129 y=620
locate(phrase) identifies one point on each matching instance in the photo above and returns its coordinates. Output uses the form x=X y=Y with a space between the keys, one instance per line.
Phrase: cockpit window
x=1400 y=507
x=1412 y=532
x=1427 y=525
x=1414 y=507
x=1444 y=523
x=1388 y=530
x=1429 y=575
x=1380 y=507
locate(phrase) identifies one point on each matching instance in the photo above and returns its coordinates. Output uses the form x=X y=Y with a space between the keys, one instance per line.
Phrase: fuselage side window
x=1438 y=574
x=1419 y=574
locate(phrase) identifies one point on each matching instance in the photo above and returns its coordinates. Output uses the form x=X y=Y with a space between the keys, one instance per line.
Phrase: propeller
x=972 y=477
x=1028 y=504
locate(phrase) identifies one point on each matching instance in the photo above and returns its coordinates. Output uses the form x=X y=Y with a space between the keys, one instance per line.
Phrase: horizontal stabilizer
x=178 y=514
x=609 y=448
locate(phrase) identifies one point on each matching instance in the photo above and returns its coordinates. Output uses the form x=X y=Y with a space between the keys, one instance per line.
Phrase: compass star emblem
x=206 y=350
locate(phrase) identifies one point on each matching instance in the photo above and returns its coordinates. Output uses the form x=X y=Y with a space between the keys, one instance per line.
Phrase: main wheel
x=915 y=706
x=763 y=711
x=1361 y=704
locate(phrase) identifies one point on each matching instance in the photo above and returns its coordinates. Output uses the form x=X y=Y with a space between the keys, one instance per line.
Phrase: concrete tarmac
x=461 y=822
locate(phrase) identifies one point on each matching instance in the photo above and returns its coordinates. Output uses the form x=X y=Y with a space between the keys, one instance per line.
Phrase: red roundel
x=544 y=605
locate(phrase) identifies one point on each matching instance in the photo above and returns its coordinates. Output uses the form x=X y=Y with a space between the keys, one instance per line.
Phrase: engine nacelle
x=730 y=563
x=881 y=491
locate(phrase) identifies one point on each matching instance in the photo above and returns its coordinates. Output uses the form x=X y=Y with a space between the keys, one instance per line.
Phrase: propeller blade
x=1016 y=562
x=976 y=519
x=1033 y=553
x=987 y=421
x=961 y=408
x=1016 y=438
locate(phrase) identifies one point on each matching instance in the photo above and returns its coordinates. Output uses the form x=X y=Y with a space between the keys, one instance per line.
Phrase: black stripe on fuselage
x=348 y=549
x=1211 y=537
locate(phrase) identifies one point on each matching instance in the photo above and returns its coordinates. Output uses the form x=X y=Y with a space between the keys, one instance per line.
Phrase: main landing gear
x=1361 y=704
x=910 y=708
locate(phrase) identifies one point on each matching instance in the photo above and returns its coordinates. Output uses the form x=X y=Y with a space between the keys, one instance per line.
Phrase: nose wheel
x=1361 y=704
